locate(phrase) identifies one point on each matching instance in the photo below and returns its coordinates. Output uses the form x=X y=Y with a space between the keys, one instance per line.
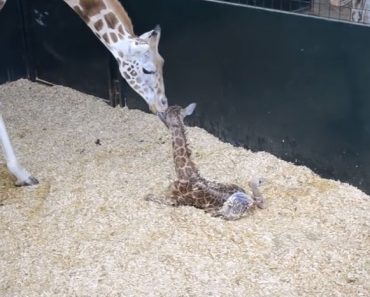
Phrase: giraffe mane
x=185 y=133
x=121 y=14
x=187 y=148
x=88 y=8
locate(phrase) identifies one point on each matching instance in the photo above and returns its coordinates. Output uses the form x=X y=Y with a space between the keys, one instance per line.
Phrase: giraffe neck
x=109 y=22
x=184 y=166
x=2 y=3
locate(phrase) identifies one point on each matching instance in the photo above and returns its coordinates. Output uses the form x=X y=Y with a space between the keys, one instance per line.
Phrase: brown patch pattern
x=179 y=142
x=191 y=188
x=83 y=16
x=126 y=75
x=181 y=151
x=111 y=20
x=122 y=15
x=106 y=38
x=120 y=30
x=91 y=7
x=180 y=161
x=189 y=171
x=113 y=37
x=98 y=25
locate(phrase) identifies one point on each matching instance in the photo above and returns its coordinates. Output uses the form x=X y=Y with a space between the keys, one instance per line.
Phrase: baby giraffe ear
x=188 y=110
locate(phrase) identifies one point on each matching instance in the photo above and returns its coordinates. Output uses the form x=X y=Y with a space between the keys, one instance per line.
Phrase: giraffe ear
x=188 y=110
x=155 y=37
x=152 y=34
x=145 y=36
x=152 y=37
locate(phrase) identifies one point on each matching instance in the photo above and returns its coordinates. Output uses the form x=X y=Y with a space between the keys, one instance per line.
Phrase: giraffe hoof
x=149 y=197
x=30 y=181
x=261 y=204
x=153 y=198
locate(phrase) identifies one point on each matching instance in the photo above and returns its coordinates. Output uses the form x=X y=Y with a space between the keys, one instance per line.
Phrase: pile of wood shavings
x=86 y=230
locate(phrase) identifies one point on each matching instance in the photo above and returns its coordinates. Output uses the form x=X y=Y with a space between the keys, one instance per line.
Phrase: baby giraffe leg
x=170 y=198
x=257 y=196
x=234 y=207
x=23 y=177
x=163 y=199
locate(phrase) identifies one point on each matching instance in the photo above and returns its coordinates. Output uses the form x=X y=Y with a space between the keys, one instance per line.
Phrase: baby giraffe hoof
x=150 y=197
x=261 y=203
x=257 y=196
x=161 y=200
x=235 y=206
x=29 y=181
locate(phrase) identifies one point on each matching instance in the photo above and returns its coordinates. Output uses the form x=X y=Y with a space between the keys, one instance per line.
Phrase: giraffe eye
x=147 y=71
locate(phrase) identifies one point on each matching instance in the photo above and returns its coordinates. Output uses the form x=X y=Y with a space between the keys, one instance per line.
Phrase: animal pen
x=283 y=85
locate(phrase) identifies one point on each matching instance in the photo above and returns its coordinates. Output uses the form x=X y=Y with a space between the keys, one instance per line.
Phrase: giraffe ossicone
x=224 y=200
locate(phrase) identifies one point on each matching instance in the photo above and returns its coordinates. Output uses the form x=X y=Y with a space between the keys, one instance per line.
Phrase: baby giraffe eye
x=148 y=72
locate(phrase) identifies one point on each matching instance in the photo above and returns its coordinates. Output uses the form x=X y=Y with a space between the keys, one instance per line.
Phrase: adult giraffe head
x=138 y=57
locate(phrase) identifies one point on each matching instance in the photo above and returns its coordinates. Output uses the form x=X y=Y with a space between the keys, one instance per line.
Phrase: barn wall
x=12 y=52
x=63 y=49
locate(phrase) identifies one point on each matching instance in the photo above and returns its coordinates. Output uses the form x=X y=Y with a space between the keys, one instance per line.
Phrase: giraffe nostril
x=164 y=102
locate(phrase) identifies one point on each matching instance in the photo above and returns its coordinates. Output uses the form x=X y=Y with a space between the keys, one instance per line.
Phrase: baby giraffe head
x=174 y=115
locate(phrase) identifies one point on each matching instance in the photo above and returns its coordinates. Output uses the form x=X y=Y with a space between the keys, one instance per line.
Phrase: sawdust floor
x=86 y=230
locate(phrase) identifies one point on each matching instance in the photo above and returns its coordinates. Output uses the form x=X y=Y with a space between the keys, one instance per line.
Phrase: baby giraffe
x=224 y=200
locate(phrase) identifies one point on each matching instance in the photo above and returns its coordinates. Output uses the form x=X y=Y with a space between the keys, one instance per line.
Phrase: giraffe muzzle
x=162 y=117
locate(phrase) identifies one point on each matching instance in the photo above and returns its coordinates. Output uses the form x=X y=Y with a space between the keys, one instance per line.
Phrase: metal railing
x=356 y=11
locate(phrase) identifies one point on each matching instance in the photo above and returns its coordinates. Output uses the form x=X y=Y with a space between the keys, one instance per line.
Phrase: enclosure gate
x=292 y=85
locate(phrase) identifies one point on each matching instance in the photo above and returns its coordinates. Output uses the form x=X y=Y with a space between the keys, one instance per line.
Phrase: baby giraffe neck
x=184 y=166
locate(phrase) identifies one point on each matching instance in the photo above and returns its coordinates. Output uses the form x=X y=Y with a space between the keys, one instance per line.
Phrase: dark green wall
x=63 y=50
x=13 y=63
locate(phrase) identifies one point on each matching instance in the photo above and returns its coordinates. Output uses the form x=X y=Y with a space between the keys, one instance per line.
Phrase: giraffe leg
x=260 y=202
x=23 y=177
x=234 y=207
x=257 y=196
x=170 y=198
x=214 y=212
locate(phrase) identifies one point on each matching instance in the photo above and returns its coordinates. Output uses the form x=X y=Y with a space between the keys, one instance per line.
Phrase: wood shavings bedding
x=86 y=230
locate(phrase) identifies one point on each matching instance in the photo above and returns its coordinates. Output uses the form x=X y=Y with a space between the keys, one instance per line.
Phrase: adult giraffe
x=138 y=58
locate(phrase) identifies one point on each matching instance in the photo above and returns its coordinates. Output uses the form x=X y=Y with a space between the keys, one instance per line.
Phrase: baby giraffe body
x=226 y=200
